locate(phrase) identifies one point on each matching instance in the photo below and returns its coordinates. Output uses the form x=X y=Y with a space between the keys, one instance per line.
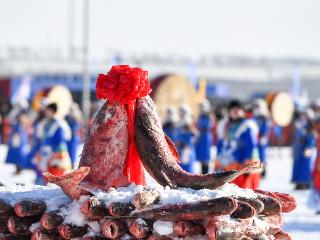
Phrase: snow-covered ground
x=302 y=223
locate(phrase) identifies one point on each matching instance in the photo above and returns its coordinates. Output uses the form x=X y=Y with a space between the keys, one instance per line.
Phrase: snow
x=261 y=224
x=197 y=237
x=182 y=195
x=302 y=223
x=72 y=213
x=163 y=228
x=126 y=237
x=34 y=226
x=141 y=221
x=52 y=194
x=122 y=194
x=94 y=227
x=7 y=175
x=172 y=196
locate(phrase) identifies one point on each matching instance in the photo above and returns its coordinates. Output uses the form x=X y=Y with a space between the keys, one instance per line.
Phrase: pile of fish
x=137 y=212
x=103 y=204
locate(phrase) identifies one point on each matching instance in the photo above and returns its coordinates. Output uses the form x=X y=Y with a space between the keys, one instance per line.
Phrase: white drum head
x=175 y=91
x=62 y=97
x=282 y=109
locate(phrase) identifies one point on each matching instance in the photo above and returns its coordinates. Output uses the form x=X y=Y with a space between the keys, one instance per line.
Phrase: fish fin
x=70 y=182
x=167 y=179
x=173 y=148
x=250 y=167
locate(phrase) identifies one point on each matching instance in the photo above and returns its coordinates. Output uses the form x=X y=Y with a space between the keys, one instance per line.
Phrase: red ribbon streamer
x=133 y=168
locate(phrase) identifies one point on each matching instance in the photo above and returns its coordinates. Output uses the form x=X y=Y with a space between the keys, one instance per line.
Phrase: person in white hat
x=186 y=138
x=170 y=122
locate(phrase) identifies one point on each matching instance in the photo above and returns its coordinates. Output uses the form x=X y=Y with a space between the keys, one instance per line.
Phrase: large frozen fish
x=160 y=157
x=103 y=155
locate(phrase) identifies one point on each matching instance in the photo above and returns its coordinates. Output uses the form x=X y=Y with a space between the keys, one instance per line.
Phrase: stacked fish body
x=137 y=212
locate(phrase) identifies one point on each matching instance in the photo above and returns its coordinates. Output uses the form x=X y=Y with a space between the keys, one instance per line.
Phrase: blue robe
x=304 y=154
x=185 y=140
x=17 y=146
x=205 y=140
x=74 y=141
x=53 y=151
x=237 y=143
x=170 y=129
x=36 y=143
x=264 y=126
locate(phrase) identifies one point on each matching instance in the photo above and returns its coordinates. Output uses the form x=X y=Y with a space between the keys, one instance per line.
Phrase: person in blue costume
x=304 y=150
x=238 y=145
x=205 y=139
x=170 y=122
x=18 y=142
x=261 y=117
x=37 y=136
x=186 y=138
x=74 y=121
x=52 y=155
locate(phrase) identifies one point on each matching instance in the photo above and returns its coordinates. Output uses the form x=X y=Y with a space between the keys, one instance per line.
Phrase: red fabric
x=251 y=181
x=316 y=168
x=123 y=84
x=316 y=174
x=133 y=168
x=56 y=171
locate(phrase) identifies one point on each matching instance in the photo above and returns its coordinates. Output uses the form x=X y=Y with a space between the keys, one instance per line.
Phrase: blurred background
x=200 y=55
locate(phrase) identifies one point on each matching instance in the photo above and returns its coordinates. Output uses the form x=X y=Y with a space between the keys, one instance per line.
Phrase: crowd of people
x=240 y=133
x=41 y=141
x=238 y=137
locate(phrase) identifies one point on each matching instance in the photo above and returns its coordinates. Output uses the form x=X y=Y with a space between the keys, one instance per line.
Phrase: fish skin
x=105 y=148
x=103 y=155
x=288 y=203
x=160 y=158
x=189 y=210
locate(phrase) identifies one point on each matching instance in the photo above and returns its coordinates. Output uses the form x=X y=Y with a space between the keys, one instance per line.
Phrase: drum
x=173 y=90
x=58 y=94
x=281 y=107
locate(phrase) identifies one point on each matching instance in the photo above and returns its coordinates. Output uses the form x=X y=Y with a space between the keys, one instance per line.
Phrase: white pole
x=86 y=73
x=70 y=29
